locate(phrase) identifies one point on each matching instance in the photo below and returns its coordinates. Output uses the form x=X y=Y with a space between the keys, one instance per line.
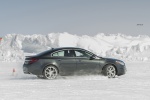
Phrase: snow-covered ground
x=134 y=85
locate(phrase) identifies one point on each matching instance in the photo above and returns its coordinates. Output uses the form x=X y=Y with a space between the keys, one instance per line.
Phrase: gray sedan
x=70 y=61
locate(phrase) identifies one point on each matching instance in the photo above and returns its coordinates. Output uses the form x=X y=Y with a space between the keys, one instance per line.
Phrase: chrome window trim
x=56 y=52
x=71 y=49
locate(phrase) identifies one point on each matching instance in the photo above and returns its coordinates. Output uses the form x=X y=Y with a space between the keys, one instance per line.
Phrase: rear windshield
x=44 y=53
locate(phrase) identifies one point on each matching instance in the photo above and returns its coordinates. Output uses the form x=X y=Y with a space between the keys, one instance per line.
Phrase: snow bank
x=13 y=47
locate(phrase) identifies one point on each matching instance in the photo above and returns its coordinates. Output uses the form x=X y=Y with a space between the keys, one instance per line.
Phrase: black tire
x=50 y=72
x=109 y=71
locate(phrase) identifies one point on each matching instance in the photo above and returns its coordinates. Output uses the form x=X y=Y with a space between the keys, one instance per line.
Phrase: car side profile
x=69 y=61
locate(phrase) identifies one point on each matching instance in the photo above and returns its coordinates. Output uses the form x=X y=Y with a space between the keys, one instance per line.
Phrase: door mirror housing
x=95 y=57
x=92 y=57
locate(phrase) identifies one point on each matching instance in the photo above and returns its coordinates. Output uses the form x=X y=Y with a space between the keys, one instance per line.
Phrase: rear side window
x=63 y=53
x=58 y=54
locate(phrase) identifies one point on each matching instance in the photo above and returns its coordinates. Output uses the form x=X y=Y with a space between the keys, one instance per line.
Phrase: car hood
x=111 y=59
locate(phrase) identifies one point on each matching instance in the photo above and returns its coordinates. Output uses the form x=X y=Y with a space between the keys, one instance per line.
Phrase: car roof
x=60 y=48
x=57 y=49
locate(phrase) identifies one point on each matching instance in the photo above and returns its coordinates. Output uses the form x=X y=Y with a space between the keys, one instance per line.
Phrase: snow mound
x=14 y=47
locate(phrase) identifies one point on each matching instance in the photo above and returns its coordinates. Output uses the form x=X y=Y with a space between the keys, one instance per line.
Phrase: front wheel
x=50 y=72
x=109 y=71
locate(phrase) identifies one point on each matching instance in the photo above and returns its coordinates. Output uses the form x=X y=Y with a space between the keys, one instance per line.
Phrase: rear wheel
x=50 y=72
x=109 y=71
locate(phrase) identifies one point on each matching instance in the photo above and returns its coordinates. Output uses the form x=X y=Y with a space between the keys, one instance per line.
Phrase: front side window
x=80 y=53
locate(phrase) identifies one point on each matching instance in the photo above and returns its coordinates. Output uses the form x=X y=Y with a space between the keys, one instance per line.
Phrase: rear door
x=67 y=63
x=85 y=65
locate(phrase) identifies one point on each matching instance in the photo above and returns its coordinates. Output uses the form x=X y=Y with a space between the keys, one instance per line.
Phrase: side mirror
x=92 y=57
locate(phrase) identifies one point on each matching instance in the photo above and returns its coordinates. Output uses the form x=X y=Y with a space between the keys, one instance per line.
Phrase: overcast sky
x=75 y=16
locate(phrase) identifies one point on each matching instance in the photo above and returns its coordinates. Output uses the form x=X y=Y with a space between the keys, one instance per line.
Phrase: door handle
x=80 y=60
x=59 y=59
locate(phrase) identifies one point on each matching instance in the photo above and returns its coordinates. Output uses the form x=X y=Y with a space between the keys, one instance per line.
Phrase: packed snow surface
x=134 y=85
x=14 y=47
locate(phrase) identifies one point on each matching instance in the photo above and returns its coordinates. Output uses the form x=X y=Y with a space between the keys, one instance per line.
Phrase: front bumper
x=122 y=70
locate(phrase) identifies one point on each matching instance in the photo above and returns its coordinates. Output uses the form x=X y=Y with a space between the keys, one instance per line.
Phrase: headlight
x=120 y=62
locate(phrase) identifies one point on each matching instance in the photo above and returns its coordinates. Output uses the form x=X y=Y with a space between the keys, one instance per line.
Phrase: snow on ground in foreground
x=135 y=85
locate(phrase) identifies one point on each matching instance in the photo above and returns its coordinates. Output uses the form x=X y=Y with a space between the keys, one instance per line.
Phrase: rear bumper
x=32 y=69
x=25 y=70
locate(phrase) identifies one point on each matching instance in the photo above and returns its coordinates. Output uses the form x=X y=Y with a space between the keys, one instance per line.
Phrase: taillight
x=33 y=60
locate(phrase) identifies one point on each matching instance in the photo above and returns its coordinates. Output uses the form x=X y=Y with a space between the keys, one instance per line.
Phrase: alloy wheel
x=111 y=71
x=50 y=72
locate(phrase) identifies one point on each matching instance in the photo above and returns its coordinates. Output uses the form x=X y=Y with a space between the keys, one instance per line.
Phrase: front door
x=67 y=63
x=85 y=65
